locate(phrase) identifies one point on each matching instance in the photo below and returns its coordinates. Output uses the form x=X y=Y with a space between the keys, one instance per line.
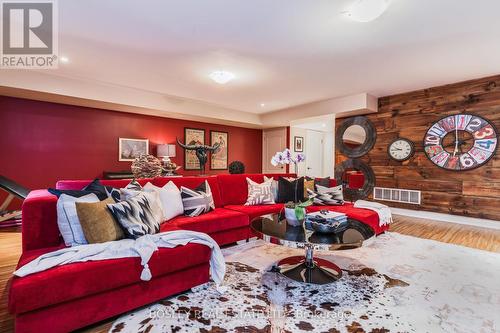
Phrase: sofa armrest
x=39 y=227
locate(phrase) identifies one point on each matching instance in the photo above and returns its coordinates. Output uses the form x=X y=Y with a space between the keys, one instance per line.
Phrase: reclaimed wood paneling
x=474 y=193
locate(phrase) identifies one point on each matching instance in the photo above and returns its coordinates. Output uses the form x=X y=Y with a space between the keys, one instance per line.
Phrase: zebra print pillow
x=139 y=215
x=197 y=201
x=259 y=194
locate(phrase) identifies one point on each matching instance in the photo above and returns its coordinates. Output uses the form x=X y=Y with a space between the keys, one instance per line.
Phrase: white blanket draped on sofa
x=143 y=247
x=383 y=211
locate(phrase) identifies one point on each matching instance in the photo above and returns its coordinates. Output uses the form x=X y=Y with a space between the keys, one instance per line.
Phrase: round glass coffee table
x=274 y=228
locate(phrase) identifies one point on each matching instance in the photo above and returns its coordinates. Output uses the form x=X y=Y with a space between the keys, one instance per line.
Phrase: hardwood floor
x=470 y=236
x=475 y=237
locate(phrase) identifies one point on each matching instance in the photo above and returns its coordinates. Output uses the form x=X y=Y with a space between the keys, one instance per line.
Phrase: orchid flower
x=286 y=157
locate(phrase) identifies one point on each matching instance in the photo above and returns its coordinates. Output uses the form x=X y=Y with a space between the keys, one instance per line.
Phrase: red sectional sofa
x=72 y=296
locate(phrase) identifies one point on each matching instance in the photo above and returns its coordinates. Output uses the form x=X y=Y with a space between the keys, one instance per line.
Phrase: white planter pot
x=291 y=217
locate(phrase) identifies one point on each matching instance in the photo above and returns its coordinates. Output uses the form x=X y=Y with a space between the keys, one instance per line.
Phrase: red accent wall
x=42 y=142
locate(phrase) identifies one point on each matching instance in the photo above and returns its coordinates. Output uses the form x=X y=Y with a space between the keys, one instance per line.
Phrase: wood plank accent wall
x=474 y=193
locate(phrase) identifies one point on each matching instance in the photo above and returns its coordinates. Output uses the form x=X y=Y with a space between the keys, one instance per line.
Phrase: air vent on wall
x=397 y=195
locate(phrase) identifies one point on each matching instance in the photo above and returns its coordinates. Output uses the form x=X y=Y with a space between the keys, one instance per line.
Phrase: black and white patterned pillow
x=134 y=185
x=131 y=190
x=139 y=215
x=109 y=191
x=197 y=201
x=327 y=195
x=259 y=194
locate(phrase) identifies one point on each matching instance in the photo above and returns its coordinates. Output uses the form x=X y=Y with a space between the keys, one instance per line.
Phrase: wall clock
x=461 y=142
x=401 y=149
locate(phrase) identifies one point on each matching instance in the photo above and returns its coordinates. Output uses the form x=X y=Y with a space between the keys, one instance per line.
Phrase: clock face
x=401 y=149
x=460 y=142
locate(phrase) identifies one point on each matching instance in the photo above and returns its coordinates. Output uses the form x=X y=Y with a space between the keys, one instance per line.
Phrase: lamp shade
x=164 y=150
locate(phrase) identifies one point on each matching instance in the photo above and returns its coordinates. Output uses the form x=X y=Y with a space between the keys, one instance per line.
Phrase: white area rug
x=396 y=283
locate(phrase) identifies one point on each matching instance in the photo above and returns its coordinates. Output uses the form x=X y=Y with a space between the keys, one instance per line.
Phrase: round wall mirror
x=355 y=136
x=356 y=177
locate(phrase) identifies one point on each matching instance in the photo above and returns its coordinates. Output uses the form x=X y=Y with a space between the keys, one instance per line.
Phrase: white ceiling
x=283 y=52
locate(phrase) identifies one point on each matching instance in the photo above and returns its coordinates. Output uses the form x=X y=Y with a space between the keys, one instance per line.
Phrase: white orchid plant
x=286 y=157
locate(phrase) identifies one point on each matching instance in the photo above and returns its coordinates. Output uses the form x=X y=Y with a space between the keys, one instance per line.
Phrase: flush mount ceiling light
x=366 y=10
x=222 y=77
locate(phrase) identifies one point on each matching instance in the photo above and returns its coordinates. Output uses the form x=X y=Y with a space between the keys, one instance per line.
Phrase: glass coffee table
x=274 y=228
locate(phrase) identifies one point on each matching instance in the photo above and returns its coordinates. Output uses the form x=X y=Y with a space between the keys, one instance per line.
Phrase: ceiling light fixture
x=366 y=10
x=64 y=59
x=262 y=105
x=222 y=77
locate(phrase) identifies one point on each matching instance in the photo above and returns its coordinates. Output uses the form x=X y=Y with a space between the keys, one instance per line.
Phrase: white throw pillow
x=170 y=199
x=67 y=218
x=259 y=194
x=274 y=187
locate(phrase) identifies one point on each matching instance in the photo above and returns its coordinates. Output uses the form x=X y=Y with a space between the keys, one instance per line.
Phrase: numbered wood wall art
x=461 y=142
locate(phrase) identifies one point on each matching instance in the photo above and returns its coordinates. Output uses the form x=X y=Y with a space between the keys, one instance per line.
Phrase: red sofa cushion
x=217 y=220
x=234 y=188
x=256 y=211
x=72 y=281
x=366 y=216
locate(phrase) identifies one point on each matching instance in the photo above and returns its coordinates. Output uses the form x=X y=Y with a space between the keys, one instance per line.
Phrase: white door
x=314 y=154
x=273 y=140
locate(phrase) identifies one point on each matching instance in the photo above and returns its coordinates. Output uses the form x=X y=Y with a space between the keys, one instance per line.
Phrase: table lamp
x=165 y=151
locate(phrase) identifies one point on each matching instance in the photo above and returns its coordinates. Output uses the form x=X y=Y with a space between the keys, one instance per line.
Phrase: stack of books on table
x=326 y=217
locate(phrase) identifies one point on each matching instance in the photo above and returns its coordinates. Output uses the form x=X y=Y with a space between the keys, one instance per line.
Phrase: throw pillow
x=103 y=191
x=290 y=190
x=336 y=191
x=139 y=215
x=197 y=201
x=324 y=199
x=97 y=222
x=131 y=190
x=67 y=218
x=274 y=187
x=259 y=194
x=76 y=193
x=170 y=199
x=325 y=182
x=134 y=185
x=308 y=185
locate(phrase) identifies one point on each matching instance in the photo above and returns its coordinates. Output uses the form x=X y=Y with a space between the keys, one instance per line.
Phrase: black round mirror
x=356 y=177
x=355 y=136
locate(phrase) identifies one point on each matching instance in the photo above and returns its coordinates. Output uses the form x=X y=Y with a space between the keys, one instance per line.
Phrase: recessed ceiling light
x=262 y=105
x=64 y=59
x=222 y=77
x=367 y=10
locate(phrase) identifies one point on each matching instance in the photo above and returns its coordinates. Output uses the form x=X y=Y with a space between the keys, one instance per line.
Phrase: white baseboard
x=491 y=224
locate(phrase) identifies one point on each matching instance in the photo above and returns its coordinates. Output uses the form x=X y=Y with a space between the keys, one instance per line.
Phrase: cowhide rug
x=396 y=283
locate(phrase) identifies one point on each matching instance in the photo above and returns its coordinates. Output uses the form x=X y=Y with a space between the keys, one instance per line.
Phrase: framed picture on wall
x=218 y=160
x=192 y=136
x=129 y=149
x=298 y=145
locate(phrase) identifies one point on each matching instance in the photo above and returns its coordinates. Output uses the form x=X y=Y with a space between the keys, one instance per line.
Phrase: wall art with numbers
x=461 y=142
